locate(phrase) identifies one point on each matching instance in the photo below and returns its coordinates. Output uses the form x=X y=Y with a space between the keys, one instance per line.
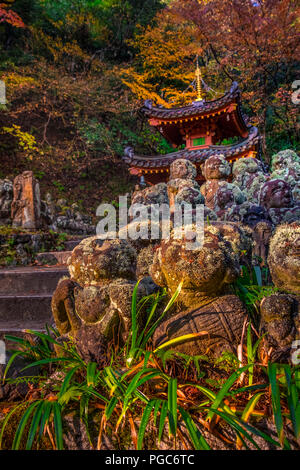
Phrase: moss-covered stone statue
x=220 y=195
x=94 y=305
x=286 y=166
x=6 y=198
x=182 y=186
x=277 y=198
x=203 y=305
x=249 y=176
x=280 y=312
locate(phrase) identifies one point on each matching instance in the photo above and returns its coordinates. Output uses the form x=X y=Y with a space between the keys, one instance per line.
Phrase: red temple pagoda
x=199 y=127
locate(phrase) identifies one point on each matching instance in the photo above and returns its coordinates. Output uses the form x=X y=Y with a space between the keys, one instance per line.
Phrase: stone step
x=53 y=257
x=30 y=280
x=24 y=308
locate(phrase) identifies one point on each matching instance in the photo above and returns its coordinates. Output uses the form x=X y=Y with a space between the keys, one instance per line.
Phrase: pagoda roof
x=195 y=109
x=198 y=155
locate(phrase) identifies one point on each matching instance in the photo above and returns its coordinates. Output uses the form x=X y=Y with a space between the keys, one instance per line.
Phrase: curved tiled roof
x=194 y=155
x=196 y=108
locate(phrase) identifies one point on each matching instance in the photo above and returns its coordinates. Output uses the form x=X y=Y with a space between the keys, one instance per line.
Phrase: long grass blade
x=162 y=419
x=45 y=417
x=293 y=401
x=276 y=406
x=172 y=406
x=197 y=439
x=57 y=420
x=4 y=423
x=34 y=424
x=180 y=339
x=91 y=373
x=248 y=411
x=144 y=422
x=22 y=424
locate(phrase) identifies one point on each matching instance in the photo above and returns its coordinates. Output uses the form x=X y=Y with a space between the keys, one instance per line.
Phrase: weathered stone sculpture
x=6 y=197
x=276 y=196
x=156 y=194
x=203 y=309
x=182 y=186
x=286 y=166
x=227 y=196
x=262 y=233
x=219 y=195
x=70 y=220
x=247 y=213
x=94 y=306
x=215 y=170
x=26 y=205
x=249 y=176
x=284 y=258
x=281 y=312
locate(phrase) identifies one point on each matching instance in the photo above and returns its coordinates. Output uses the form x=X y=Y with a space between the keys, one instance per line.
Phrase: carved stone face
x=254 y=215
x=224 y=198
x=203 y=270
x=263 y=231
x=156 y=194
x=283 y=159
x=284 y=257
x=246 y=165
x=216 y=167
x=182 y=169
x=95 y=261
x=276 y=194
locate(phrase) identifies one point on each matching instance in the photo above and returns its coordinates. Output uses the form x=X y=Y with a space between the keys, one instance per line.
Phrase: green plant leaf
x=222 y=393
x=162 y=419
x=275 y=395
x=197 y=439
x=22 y=425
x=110 y=407
x=45 y=416
x=172 y=406
x=35 y=424
x=144 y=421
x=91 y=373
x=58 y=426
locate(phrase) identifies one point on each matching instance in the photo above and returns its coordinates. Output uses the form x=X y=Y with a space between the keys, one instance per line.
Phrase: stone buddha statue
x=276 y=196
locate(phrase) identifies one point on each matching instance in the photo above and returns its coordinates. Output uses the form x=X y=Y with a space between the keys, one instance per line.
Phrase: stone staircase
x=25 y=297
x=26 y=292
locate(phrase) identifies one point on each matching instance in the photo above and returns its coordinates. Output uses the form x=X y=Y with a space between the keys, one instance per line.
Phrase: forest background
x=77 y=71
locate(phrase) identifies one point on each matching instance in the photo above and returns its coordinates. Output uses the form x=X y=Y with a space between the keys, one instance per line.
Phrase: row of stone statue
x=94 y=305
x=251 y=196
x=21 y=206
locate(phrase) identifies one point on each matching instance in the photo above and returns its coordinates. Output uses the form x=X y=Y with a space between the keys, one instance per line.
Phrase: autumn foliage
x=255 y=43
x=77 y=73
x=10 y=17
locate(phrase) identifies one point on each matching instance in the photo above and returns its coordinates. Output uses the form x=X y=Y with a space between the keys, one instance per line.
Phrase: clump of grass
x=138 y=386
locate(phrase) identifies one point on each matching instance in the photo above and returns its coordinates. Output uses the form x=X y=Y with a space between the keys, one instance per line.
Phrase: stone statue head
x=283 y=159
x=216 y=167
x=204 y=270
x=182 y=169
x=276 y=194
x=255 y=214
x=247 y=165
x=156 y=194
x=284 y=257
x=95 y=261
